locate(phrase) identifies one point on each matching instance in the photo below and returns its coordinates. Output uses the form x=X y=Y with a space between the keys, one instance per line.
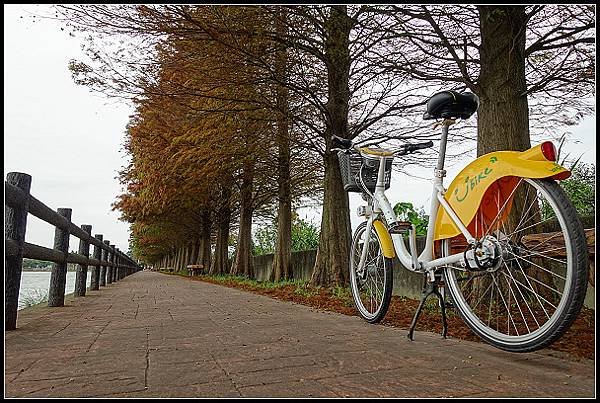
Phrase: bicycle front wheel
x=372 y=286
x=534 y=290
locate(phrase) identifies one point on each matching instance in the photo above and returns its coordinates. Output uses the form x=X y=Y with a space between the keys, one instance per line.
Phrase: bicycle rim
x=535 y=292
x=371 y=289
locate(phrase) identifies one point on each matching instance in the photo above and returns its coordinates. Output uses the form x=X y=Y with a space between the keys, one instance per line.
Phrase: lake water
x=35 y=284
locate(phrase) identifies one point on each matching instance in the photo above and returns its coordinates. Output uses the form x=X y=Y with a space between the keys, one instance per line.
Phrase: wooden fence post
x=15 y=225
x=58 y=278
x=82 y=269
x=109 y=269
x=95 y=281
x=118 y=263
x=123 y=261
x=103 y=269
x=122 y=270
x=117 y=269
x=114 y=261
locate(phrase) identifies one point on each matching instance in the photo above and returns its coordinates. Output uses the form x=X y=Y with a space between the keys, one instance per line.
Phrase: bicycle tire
x=572 y=296
x=370 y=315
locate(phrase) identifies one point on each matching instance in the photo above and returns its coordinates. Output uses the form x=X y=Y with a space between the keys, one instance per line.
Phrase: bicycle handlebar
x=409 y=148
x=346 y=145
x=339 y=142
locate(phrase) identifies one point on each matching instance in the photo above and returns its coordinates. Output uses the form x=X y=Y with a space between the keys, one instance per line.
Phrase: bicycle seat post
x=439 y=169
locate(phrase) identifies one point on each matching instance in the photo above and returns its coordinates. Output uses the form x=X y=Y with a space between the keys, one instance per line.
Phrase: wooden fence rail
x=108 y=263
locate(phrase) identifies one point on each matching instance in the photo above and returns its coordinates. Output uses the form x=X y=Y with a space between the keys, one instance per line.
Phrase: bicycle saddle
x=451 y=104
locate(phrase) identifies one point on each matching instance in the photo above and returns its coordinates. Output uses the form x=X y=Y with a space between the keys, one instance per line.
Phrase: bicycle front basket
x=350 y=169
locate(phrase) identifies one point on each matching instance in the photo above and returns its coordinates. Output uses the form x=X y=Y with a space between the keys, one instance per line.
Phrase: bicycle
x=503 y=241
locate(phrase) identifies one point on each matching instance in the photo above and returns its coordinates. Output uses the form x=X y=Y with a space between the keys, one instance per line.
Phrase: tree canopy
x=235 y=106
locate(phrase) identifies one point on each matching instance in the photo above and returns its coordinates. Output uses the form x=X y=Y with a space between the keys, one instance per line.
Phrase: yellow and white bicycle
x=503 y=240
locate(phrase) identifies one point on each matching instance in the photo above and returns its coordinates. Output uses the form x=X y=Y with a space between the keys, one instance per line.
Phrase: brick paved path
x=157 y=335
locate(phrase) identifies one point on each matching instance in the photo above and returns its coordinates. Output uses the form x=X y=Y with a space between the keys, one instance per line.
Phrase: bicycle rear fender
x=487 y=183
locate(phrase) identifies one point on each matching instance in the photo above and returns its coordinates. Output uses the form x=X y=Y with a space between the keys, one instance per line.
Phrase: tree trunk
x=204 y=247
x=331 y=265
x=283 y=247
x=503 y=116
x=194 y=251
x=221 y=263
x=177 y=258
x=243 y=257
x=180 y=258
x=283 y=251
x=186 y=256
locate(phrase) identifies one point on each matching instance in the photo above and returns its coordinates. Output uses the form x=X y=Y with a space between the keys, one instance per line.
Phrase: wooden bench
x=555 y=246
x=556 y=242
x=195 y=269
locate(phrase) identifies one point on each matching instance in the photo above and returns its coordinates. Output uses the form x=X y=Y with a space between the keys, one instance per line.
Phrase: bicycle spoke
x=507 y=310
x=531 y=289
x=545 y=251
x=549 y=239
x=538 y=266
x=522 y=297
x=503 y=207
x=542 y=284
x=529 y=226
x=369 y=287
x=490 y=307
x=532 y=253
x=517 y=303
x=527 y=250
x=539 y=297
x=528 y=209
x=482 y=295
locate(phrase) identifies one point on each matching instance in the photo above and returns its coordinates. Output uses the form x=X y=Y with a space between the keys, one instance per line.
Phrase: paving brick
x=153 y=335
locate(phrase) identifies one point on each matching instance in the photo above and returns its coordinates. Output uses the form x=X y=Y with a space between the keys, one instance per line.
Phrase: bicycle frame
x=381 y=205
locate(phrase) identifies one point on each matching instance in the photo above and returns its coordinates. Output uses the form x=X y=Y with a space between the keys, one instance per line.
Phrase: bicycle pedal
x=399 y=227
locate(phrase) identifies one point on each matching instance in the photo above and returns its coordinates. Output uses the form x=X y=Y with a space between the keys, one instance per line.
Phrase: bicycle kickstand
x=432 y=287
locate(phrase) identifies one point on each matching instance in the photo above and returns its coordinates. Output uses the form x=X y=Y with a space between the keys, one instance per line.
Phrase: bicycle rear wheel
x=372 y=287
x=535 y=290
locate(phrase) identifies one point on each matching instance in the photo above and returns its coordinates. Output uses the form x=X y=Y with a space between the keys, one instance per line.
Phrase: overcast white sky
x=69 y=140
x=65 y=137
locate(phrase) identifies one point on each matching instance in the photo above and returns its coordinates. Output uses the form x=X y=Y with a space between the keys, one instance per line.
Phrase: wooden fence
x=108 y=263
